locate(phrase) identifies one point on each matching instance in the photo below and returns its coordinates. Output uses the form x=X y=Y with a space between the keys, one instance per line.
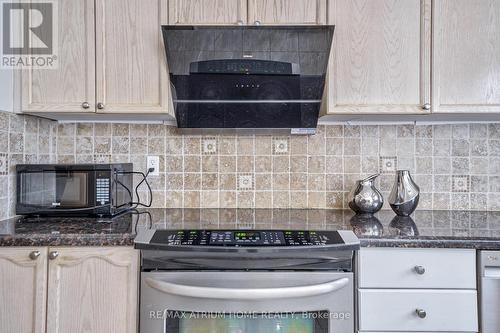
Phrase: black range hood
x=248 y=78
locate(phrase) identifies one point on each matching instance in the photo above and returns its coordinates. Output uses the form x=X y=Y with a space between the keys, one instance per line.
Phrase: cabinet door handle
x=421 y=313
x=426 y=106
x=85 y=105
x=100 y=106
x=53 y=255
x=34 y=255
x=257 y=22
x=420 y=270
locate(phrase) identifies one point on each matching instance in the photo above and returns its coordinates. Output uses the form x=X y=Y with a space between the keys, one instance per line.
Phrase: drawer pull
x=420 y=270
x=421 y=313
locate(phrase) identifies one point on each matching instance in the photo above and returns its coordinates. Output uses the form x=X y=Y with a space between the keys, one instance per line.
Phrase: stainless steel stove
x=247 y=281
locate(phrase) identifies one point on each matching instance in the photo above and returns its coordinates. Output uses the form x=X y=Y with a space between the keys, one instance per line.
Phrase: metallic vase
x=364 y=198
x=404 y=195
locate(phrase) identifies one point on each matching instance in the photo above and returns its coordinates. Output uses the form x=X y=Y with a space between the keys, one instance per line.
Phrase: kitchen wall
x=456 y=166
x=23 y=139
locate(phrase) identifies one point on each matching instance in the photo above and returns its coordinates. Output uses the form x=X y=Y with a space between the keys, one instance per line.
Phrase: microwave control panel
x=103 y=188
x=243 y=238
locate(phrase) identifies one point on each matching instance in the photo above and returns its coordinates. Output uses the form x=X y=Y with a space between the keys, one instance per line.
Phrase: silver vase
x=404 y=195
x=364 y=198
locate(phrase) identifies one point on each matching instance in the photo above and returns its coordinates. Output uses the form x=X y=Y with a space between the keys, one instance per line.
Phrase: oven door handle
x=246 y=294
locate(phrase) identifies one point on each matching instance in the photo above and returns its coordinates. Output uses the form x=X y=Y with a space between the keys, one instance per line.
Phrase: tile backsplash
x=23 y=139
x=456 y=166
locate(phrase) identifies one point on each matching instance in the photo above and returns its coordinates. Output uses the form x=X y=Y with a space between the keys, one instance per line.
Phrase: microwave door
x=36 y=190
x=50 y=190
x=72 y=189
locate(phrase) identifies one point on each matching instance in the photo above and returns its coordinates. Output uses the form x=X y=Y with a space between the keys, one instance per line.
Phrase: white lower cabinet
x=69 y=289
x=440 y=310
x=417 y=290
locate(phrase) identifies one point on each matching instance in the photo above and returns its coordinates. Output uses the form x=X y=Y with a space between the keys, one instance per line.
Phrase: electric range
x=247 y=281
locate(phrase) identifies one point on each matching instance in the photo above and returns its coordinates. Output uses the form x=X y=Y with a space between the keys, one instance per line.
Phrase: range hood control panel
x=243 y=238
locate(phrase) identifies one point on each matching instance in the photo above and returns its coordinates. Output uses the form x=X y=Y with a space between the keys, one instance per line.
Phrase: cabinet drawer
x=395 y=310
x=397 y=268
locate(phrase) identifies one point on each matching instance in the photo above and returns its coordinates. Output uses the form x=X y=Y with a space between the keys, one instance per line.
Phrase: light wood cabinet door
x=130 y=56
x=207 y=12
x=466 y=56
x=23 y=289
x=380 y=61
x=275 y=12
x=72 y=83
x=93 y=289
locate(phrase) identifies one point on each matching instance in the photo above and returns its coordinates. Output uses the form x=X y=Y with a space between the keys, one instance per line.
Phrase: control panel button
x=246 y=238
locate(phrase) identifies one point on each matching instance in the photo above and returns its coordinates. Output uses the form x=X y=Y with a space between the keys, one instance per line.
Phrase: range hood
x=247 y=77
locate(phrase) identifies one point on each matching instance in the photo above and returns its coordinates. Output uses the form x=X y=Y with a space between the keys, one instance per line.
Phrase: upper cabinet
x=130 y=58
x=380 y=60
x=207 y=12
x=229 y=12
x=466 y=56
x=296 y=12
x=71 y=86
x=111 y=59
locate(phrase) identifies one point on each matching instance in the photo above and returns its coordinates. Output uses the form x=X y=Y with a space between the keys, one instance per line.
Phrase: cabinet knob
x=53 y=255
x=100 y=106
x=85 y=105
x=420 y=270
x=34 y=255
x=257 y=22
x=426 y=106
x=421 y=313
x=239 y=22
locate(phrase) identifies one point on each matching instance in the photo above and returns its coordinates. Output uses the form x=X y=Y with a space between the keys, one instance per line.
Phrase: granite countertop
x=454 y=229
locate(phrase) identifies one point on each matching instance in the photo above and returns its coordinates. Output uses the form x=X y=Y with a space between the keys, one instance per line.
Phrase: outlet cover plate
x=153 y=162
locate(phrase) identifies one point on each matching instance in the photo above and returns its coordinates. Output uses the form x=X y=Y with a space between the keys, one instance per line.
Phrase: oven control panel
x=238 y=238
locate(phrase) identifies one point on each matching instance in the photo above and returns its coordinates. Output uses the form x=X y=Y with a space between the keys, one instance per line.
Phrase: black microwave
x=74 y=189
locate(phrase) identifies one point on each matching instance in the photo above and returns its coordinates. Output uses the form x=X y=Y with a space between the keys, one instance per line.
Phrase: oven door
x=246 y=302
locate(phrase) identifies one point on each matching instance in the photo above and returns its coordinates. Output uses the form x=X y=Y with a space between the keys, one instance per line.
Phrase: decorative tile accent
x=460 y=183
x=280 y=146
x=4 y=164
x=209 y=146
x=388 y=164
x=245 y=182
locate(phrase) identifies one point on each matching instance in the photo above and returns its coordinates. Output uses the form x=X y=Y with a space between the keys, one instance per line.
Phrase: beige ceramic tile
x=264 y=199
x=192 y=181
x=210 y=163
x=192 y=146
x=227 y=199
x=192 y=163
x=245 y=145
x=281 y=164
x=263 y=181
x=263 y=145
x=227 y=181
x=263 y=164
x=227 y=146
x=191 y=199
x=227 y=164
x=245 y=163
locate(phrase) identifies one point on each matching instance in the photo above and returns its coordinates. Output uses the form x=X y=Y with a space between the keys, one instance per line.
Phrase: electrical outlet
x=153 y=162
